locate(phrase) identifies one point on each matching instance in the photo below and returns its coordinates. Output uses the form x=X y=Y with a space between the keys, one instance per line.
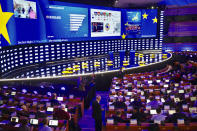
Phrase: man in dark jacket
x=97 y=113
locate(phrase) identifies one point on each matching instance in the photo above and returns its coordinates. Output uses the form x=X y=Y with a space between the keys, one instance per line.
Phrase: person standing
x=97 y=113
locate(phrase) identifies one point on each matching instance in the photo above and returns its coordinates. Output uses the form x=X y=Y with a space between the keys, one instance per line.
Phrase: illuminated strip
x=77 y=75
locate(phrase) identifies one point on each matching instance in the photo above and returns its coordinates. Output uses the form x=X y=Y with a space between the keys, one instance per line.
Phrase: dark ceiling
x=132 y=3
x=108 y=3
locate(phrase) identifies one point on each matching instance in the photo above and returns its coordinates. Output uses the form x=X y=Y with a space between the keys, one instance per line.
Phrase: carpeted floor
x=87 y=122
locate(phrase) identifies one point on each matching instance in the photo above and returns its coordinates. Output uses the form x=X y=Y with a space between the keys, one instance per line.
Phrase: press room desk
x=145 y=126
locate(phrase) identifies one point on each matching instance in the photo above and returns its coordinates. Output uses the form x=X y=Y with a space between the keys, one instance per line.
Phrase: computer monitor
x=162 y=100
x=166 y=85
x=181 y=91
x=53 y=122
x=50 y=109
x=153 y=112
x=14 y=119
x=13 y=93
x=129 y=93
x=110 y=121
x=150 y=81
x=171 y=112
x=158 y=81
x=60 y=98
x=34 y=121
x=133 y=121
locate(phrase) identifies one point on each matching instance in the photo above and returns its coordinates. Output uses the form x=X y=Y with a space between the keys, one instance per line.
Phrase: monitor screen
x=140 y=23
x=53 y=122
x=153 y=112
x=105 y=23
x=60 y=98
x=34 y=121
x=14 y=119
x=25 y=9
x=171 y=112
x=50 y=109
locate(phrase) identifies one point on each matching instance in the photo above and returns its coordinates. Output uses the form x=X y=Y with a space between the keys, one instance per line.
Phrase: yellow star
x=124 y=36
x=145 y=15
x=126 y=23
x=155 y=20
x=4 y=18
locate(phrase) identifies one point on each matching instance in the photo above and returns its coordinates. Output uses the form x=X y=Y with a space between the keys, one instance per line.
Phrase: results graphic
x=64 y=22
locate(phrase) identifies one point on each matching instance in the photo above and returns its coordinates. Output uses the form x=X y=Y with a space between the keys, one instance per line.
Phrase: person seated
x=159 y=116
x=153 y=103
x=117 y=118
x=54 y=101
x=136 y=103
x=24 y=126
x=44 y=126
x=136 y=114
x=24 y=111
x=177 y=115
x=40 y=113
x=119 y=104
x=61 y=114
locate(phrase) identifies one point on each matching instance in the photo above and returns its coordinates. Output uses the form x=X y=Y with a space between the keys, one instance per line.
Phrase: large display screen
x=105 y=23
x=41 y=21
x=25 y=9
x=64 y=22
x=140 y=23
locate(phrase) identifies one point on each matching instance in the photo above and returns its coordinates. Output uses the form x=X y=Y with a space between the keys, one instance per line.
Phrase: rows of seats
x=162 y=99
x=17 y=105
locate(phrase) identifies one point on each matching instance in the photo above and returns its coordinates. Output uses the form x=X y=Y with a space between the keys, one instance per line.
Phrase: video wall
x=43 y=21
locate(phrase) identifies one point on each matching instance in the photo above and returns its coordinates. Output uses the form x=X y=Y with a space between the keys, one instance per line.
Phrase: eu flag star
x=155 y=20
x=145 y=15
x=4 y=18
x=127 y=23
x=124 y=36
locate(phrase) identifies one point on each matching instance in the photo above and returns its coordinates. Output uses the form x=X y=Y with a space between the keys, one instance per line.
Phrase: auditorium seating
x=17 y=103
x=135 y=99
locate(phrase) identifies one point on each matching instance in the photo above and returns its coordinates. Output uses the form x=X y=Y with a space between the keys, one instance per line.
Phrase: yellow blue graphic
x=140 y=23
